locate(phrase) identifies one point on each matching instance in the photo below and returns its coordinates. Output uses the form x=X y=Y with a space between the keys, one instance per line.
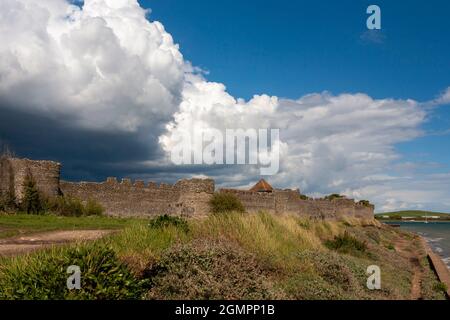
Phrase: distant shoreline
x=401 y=223
x=413 y=216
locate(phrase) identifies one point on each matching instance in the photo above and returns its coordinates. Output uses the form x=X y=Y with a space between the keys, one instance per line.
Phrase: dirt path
x=403 y=247
x=24 y=244
x=439 y=267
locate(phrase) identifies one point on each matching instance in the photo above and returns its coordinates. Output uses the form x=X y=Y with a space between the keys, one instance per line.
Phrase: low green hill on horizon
x=416 y=214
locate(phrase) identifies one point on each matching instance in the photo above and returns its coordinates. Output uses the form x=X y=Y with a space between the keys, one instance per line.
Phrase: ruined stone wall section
x=195 y=195
x=185 y=198
x=13 y=171
x=290 y=202
x=364 y=211
x=254 y=201
x=188 y=197
x=6 y=177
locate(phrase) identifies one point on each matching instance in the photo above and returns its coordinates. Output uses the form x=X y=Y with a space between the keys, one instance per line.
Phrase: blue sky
x=291 y=48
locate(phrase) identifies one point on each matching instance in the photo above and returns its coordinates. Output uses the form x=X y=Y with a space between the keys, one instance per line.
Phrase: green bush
x=44 y=276
x=225 y=202
x=32 y=201
x=207 y=270
x=7 y=202
x=365 y=203
x=440 y=287
x=93 y=208
x=166 y=220
x=64 y=206
x=333 y=277
x=334 y=196
x=72 y=207
x=346 y=243
x=390 y=246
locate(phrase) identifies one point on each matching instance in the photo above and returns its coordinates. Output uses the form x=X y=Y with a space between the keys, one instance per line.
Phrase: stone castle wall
x=291 y=202
x=13 y=172
x=185 y=198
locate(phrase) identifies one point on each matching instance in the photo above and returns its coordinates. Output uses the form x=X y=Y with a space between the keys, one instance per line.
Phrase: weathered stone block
x=45 y=173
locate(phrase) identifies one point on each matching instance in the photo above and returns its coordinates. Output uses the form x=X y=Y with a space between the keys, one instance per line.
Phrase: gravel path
x=403 y=247
x=24 y=244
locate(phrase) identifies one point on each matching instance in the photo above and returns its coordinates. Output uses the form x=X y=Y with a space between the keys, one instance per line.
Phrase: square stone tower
x=13 y=171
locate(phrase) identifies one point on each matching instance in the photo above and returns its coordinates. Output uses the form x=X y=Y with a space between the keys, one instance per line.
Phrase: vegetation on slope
x=229 y=256
x=43 y=275
x=34 y=202
x=225 y=202
x=15 y=224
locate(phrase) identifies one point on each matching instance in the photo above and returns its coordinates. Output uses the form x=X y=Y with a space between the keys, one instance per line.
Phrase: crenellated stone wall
x=291 y=202
x=187 y=198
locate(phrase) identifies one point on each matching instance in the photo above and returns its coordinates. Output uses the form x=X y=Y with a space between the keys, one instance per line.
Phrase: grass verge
x=224 y=256
x=15 y=224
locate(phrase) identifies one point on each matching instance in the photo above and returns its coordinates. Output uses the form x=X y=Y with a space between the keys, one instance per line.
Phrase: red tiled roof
x=262 y=186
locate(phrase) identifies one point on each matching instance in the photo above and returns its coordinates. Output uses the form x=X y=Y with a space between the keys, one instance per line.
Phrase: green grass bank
x=223 y=256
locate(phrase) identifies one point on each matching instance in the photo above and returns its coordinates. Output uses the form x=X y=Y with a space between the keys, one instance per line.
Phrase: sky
x=105 y=86
x=291 y=48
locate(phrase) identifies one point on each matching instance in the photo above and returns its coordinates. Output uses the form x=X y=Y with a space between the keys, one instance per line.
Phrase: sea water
x=437 y=234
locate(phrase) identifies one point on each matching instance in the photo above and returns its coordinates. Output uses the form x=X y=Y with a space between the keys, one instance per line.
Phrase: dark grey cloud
x=85 y=154
x=94 y=155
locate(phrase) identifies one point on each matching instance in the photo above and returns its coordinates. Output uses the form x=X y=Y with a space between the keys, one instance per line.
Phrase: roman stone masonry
x=291 y=202
x=13 y=172
x=262 y=197
x=188 y=198
x=185 y=198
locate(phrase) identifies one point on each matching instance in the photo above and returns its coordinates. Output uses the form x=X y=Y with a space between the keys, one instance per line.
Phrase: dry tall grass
x=288 y=250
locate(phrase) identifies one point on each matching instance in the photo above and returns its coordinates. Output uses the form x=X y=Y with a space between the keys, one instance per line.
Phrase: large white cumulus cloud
x=329 y=142
x=105 y=65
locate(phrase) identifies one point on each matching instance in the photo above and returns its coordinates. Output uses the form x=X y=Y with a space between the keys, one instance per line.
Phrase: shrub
x=166 y=220
x=334 y=196
x=333 y=276
x=390 y=246
x=225 y=202
x=440 y=287
x=67 y=206
x=7 y=202
x=31 y=202
x=346 y=243
x=44 y=275
x=93 y=208
x=365 y=203
x=64 y=206
x=208 y=270
x=305 y=223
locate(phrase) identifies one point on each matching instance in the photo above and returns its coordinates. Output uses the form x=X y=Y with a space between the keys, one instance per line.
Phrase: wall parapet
x=186 y=197
x=291 y=201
